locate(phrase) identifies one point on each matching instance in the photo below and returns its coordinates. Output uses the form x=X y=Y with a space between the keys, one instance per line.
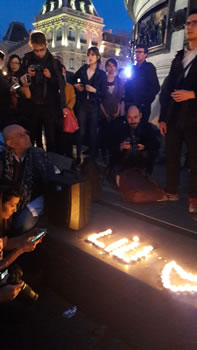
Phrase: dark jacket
x=5 y=101
x=98 y=81
x=142 y=88
x=147 y=135
x=43 y=90
x=181 y=113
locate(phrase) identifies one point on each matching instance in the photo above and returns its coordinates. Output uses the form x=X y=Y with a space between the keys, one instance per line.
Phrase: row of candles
x=122 y=249
x=127 y=252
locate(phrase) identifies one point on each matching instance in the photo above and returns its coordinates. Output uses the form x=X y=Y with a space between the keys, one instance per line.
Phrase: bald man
x=134 y=144
x=29 y=168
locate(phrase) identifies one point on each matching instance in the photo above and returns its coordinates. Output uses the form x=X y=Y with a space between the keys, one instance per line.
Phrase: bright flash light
x=128 y=71
x=165 y=277
x=4 y=72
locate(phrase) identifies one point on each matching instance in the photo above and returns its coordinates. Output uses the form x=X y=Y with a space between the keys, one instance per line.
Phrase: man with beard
x=47 y=91
x=133 y=144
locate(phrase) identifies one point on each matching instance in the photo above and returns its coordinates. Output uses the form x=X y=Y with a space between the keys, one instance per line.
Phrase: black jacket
x=98 y=81
x=143 y=86
x=48 y=91
x=5 y=101
x=181 y=113
x=147 y=135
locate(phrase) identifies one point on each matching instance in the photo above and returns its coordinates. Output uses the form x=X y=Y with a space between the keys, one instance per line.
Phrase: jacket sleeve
x=102 y=89
x=167 y=88
x=153 y=85
x=70 y=96
x=77 y=75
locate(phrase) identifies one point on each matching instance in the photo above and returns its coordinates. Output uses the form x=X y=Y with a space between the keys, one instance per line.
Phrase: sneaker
x=193 y=205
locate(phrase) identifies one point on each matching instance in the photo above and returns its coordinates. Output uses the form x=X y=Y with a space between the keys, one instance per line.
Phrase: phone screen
x=3 y=274
x=39 y=235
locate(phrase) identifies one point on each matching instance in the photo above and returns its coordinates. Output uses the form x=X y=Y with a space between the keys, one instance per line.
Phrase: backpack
x=135 y=187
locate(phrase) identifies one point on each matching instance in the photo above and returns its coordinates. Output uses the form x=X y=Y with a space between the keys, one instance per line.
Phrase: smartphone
x=39 y=235
x=27 y=78
x=16 y=86
x=3 y=274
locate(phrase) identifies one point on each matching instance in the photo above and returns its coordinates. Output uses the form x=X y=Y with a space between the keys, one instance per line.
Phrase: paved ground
x=114 y=311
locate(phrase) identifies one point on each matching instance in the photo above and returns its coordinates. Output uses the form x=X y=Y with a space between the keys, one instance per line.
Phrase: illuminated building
x=72 y=26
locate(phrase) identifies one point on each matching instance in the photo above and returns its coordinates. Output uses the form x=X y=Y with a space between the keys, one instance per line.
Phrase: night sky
x=115 y=16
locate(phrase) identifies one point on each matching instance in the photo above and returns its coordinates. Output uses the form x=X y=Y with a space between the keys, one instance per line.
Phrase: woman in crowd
x=90 y=84
x=110 y=107
x=11 y=248
x=18 y=92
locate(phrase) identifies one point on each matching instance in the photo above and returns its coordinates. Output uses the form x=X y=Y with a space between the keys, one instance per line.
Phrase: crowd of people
x=112 y=115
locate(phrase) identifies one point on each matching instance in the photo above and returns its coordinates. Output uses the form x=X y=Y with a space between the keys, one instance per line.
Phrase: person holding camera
x=43 y=73
x=133 y=145
x=11 y=248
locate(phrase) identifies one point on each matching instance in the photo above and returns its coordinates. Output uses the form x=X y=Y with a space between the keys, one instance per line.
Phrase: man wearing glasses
x=178 y=118
x=143 y=86
x=47 y=98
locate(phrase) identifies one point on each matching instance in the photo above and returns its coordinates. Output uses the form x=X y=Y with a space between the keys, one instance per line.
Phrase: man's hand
x=183 y=95
x=31 y=71
x=90 y=88
x=10 y=292
x=47 y=73
x=140 y=147
x=125 y=145
x=24 y=81
x=163 y=128
x=79 y=87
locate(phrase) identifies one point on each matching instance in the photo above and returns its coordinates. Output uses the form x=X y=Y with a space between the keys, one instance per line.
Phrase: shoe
x=169 y=197
x=172 y=196
x=193 y=205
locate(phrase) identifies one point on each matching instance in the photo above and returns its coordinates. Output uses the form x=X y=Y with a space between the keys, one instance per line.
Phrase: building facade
x=72 y=26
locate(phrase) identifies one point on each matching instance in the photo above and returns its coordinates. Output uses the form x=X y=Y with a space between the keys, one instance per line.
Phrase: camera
x=36 y=67
x=15 y=277
x=128 y=140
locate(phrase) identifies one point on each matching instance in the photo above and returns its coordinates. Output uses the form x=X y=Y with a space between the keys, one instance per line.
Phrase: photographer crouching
x=11 y=282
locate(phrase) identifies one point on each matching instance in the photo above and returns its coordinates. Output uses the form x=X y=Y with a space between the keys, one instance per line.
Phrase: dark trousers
x=174 y=140
x=88 y=115
x=104 y=135
x=37 y=117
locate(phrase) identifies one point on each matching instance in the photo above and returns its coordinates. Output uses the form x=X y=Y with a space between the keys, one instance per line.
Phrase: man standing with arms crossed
x=178 y=118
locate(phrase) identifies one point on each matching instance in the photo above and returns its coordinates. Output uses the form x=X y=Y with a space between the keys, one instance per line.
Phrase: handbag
x=70 y=124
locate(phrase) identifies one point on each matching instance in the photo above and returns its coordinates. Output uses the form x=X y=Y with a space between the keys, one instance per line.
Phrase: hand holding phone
x=40 y=234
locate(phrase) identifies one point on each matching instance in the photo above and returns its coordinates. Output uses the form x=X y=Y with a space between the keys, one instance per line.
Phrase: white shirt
x=188 y=57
